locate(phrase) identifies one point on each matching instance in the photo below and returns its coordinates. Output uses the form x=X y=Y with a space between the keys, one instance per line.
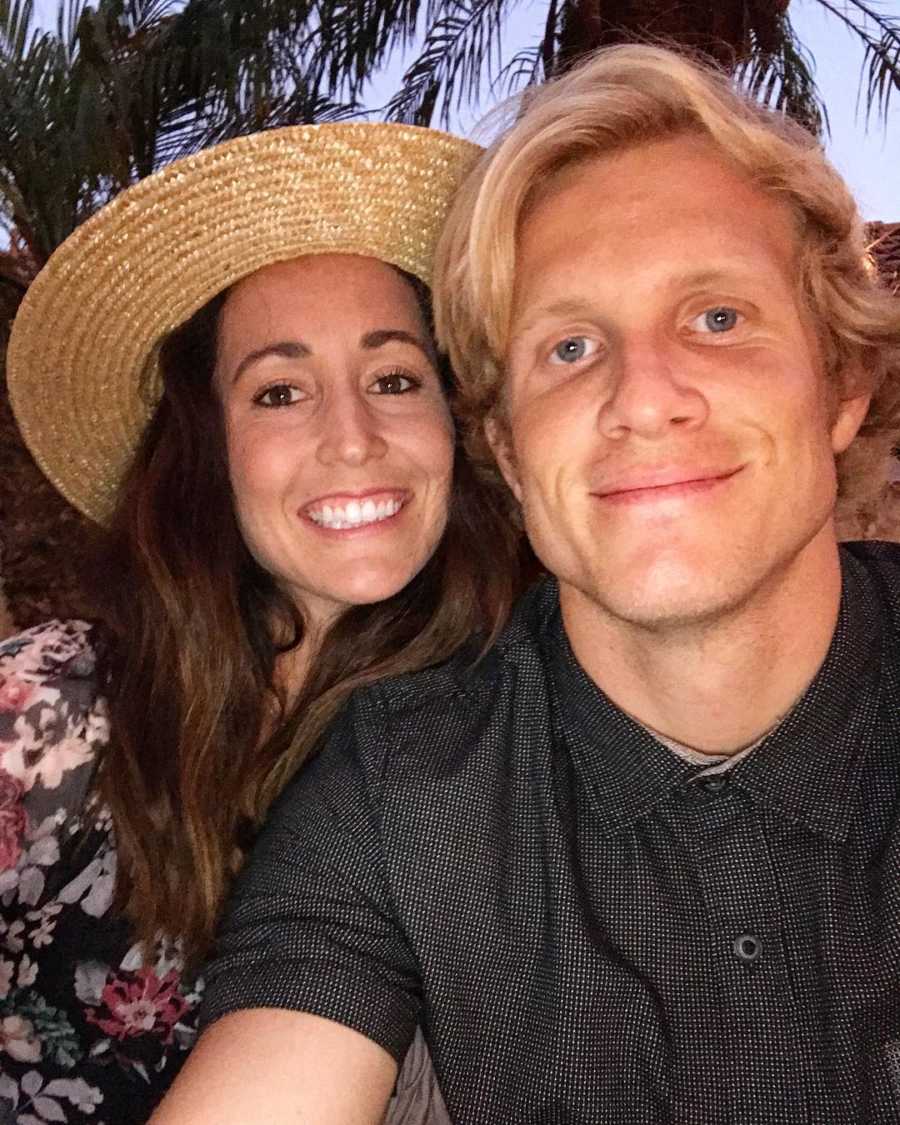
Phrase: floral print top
x=92 y=1032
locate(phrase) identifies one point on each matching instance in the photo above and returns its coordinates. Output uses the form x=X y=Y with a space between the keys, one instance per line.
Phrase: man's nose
x=351 y=431
x=652 y=391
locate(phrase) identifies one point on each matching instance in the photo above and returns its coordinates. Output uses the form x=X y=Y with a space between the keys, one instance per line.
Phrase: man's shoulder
x=881 y=562
x=406 y=732
x=472 y=678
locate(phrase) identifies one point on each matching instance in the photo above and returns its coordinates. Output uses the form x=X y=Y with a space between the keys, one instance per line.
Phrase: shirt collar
x=808 y=768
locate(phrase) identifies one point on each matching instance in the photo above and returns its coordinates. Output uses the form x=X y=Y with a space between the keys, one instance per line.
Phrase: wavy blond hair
x=627 y=96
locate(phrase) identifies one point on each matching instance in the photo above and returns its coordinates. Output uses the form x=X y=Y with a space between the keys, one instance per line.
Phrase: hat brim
x=81 y=366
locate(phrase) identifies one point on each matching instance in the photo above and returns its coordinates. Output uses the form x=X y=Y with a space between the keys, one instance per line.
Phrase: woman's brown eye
x=394 y=384
x=280 y=395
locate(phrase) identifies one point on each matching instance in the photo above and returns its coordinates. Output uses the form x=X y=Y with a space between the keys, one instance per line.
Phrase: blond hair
x=627 y=96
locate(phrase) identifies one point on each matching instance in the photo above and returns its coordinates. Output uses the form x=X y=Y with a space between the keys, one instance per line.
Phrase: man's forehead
x=682 y=168
x=659 y=197
x=557 y=179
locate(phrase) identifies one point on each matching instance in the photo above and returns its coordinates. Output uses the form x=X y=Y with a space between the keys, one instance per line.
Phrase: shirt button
x=747 y=948
x=713 y=784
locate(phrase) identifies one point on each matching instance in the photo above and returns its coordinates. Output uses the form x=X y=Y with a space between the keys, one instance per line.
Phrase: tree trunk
x=722 y=30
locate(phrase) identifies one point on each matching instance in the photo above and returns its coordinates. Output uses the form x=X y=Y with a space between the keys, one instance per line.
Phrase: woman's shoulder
x=92 y=1024
x=48 y=649
x=52 y=718
x=52 y=724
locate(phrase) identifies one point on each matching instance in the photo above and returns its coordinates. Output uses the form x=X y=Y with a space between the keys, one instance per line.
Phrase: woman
x=230 y=367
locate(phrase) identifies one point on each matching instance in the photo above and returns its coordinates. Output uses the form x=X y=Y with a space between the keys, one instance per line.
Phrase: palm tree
x=122 y=87
x=462 y=49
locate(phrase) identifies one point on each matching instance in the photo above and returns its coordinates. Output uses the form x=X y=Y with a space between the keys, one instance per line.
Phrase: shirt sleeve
x=311 y=925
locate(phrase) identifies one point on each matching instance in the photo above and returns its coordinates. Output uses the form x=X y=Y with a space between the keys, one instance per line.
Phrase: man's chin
x=663 y=602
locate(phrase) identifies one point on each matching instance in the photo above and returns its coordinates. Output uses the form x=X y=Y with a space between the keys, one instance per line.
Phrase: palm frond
x=16 y=27
x=525 y=68
x=357 y=37
x=882 y=63
x=880 y=36
x=783 y=78
x=462 y=47
x=295 y=108
x=46 y=171
x=532 y=64
x=68 y=19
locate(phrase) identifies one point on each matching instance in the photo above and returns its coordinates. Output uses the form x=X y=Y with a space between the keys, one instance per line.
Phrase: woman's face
x=340 y=443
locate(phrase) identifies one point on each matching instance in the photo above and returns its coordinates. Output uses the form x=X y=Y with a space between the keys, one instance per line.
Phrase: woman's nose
x=351 y=433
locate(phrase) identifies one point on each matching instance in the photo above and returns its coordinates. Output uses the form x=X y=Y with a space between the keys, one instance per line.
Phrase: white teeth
x=354 y=514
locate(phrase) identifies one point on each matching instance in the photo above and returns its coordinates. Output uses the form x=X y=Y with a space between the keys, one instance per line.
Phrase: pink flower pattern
x=14 y=693
x=92 y=1026
x=18 y=1039
x=140 y=1003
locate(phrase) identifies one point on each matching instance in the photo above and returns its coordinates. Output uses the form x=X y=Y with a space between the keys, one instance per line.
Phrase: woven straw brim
x=82 y=360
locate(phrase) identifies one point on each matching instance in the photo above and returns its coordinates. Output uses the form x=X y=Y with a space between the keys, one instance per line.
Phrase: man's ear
x=498 y=438
x=851 y=410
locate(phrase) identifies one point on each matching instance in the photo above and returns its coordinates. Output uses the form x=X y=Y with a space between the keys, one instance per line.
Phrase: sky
x=867 y=156
x=868 y=159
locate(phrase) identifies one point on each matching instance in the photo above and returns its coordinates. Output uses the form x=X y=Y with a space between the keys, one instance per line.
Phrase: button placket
x=726 y=835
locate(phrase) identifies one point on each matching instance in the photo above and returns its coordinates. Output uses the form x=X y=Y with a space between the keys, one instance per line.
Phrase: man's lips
x=665 y=482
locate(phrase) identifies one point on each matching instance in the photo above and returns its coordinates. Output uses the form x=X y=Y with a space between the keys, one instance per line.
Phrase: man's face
x=672 y=437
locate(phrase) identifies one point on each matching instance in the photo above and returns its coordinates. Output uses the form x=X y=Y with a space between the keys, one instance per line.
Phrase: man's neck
x=720 y=684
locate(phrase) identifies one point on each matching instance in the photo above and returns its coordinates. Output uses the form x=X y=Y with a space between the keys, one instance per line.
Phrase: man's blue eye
x=571 y=349
x=720 y=319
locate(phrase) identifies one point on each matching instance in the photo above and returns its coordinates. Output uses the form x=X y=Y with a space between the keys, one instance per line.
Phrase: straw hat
x=82 y=361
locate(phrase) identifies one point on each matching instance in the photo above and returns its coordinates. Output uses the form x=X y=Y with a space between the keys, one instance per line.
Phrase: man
x=642 y=863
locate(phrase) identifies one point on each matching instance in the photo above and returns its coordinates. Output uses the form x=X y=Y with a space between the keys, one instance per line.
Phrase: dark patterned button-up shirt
x=588 y=930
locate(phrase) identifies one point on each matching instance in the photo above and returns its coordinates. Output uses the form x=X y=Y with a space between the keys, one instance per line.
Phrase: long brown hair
x=192 y=630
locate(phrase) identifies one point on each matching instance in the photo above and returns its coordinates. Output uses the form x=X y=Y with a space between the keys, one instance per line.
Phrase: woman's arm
x=316 y=1071
x=313 y=994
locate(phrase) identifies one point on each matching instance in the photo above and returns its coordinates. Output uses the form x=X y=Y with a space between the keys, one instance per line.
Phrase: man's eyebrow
x=568 y=306
x=381 y=336
x=714 y=276
x=286 y=349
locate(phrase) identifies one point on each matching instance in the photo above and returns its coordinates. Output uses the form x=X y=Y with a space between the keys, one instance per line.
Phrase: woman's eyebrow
x=286 y=349
x=381 y=336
